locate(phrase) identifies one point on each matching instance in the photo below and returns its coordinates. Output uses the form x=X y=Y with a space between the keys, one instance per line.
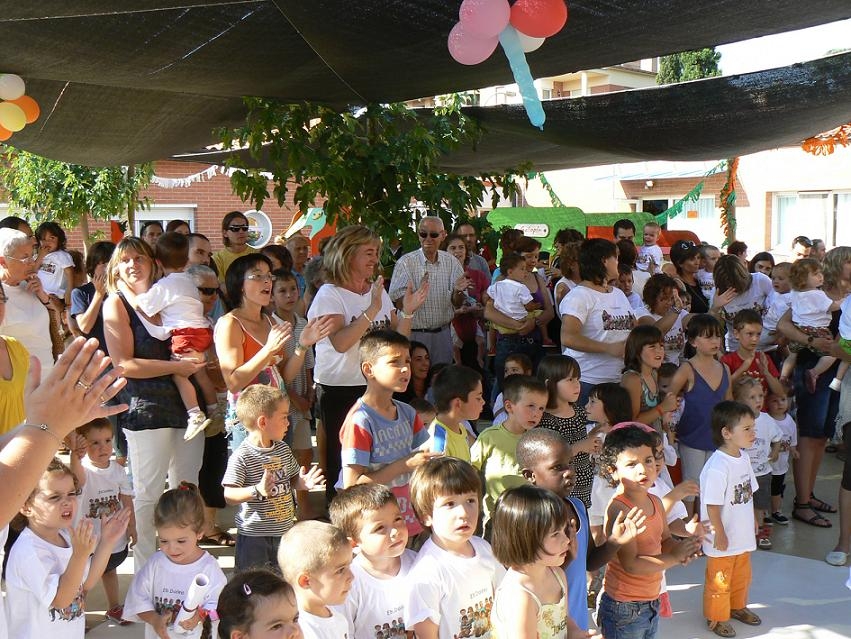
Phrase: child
x=625 y=282
x=644 y=354
x=158 y=590
x=665 y=378
x=425 y=409
x=285 y=296
x=703 y=381
x=51 y=566
x=629 y=604
x=315 y=558
x=811 y=314
x=709 y=256
x=762 y=453
x=175 y=297
x=493 y=454
x=458 y=400
x=511 y=296
x=100 y=477
x=515 y=364
x=649 y=254
x=370 y=517
x=727 y=484
x=777 y=406
x=56 y=273
x=531 y=601
x=380 y=435
x=746 y=360
x=261 y=476
x=454 y=571
x=546 y=460
x=256 y=604
x=560 y=375
x=781 y=301
x=664 y=299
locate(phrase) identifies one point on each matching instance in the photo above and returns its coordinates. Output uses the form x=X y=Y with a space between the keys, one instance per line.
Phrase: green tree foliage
x=689 y=65
x=71 y=193
x=376 y=166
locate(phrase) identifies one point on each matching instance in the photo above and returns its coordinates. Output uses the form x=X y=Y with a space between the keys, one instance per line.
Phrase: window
x=165 y=213
x=809 y=214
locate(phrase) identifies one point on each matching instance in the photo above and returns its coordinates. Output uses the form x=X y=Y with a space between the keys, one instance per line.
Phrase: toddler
x=625 y=283
x=511 y=296
x=649 y=253
x=255 y=602
x=777 y=407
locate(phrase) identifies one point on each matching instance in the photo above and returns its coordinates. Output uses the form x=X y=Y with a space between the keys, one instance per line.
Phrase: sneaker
x=767 y=521
x=836 y=384
x=115 y=614
x=780 y=518
x=763 y=543
x=196 y=424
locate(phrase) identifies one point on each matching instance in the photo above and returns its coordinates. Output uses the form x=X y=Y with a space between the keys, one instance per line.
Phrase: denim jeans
x=628 y=619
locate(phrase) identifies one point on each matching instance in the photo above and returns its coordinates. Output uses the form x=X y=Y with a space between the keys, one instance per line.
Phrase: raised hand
x=113 y=528
x=316 y=329
x=413 y=299
x=278 y=336
x=627 y=526
x=83 y=538
x=311 y=478
x=420 y=457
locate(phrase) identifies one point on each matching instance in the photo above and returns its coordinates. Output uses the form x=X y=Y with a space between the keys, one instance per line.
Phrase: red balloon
x=539 y=18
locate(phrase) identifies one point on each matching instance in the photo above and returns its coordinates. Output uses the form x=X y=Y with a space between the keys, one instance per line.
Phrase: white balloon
x=528 y=43
x=11 y=86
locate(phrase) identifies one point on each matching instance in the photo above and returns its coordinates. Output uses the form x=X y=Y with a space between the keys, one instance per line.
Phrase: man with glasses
x=27 y=319
x=447 y=289
x=468 y=234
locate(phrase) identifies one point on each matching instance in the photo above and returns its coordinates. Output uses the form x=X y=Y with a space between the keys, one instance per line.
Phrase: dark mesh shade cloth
x=122 y=82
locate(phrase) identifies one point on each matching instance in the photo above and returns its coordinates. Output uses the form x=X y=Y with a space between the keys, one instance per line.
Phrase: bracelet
x=44 y=428
x=368 y=319
x=405 y=315
x=300 y=349
x=47 y=303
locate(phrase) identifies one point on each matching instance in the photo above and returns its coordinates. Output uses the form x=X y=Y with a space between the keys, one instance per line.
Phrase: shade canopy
x=149 y=79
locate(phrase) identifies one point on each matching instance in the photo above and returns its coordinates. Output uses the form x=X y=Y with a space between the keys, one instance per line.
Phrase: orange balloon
x=30 y=107
x=5 y=134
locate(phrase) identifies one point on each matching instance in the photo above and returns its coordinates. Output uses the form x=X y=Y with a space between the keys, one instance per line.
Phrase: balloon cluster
x=16 y=109
x=520 y=28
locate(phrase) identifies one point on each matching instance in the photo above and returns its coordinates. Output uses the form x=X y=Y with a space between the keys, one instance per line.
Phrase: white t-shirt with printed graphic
x=510 y=298
x=99 y=495
x=334 y=627
x=729 y=482
x=161 y=585
x=378 y=603
x=32 y=579
x=789 y=437
x=605 y=317
x=343 y=369
x=52 y=272
x=811 y=308
x=758 y=297
x=647 y=254
x=454 y=592
x=767 y=432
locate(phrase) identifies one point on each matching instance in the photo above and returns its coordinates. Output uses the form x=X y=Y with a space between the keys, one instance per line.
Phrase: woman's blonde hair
x=128 y=243
x=831 y=267
x=341 y=249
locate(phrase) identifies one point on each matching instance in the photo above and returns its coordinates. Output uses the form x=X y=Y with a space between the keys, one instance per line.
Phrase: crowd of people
x=641 y=412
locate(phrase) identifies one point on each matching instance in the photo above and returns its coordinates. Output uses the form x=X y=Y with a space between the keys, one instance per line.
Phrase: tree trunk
x=84 y=229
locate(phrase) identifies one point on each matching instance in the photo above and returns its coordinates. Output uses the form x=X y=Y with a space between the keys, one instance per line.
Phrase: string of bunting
x=692 y=196
x=556 y=201
x=825 y=143
x=202 y=176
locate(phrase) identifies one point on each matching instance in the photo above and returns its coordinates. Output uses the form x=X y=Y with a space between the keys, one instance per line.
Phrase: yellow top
x=225 y=258
x=12 y=390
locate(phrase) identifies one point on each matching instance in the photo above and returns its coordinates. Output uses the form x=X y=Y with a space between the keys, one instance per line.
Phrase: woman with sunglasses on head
x=685 y=256
x=235 y=238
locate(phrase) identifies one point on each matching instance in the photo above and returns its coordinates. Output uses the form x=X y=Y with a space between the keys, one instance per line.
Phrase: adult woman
x=467 y=326
x=738 y=289
x=14 y=364
x=354 y=302
x=420 y=381
x=530 y=338
x=685 y=256
x=507 y=244
x=235 y=238
x=761 y=263
x=178 y=226
x=86 y=315
x=156 y=423
x=150 y=232
x=816 y=411
x=249 y=343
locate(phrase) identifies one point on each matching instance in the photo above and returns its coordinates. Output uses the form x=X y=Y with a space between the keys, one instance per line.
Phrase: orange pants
x=726 y=585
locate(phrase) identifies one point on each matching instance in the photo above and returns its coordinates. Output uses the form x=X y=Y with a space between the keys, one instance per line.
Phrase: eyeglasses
x=208 y=290
x=26 y=260
x=236 y=228
x=686 y=244
x=432 y=234
x=261 y=277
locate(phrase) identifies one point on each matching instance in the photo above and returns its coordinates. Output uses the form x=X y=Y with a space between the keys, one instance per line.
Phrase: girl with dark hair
x=643 y=355
x=57 y=278
x=178 y=226
x=235 y=238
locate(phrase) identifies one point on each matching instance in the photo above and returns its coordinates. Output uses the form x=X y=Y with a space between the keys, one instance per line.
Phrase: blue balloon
x=522 y=76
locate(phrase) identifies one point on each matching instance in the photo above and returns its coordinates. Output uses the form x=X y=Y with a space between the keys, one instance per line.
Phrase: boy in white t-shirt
x=455 y=577
x=370 y=517
x=650 y=254
x=727 y=484
x=511 y=296
x=708 y=257
x=315 y=559
x=778 y=406
x=175 y=297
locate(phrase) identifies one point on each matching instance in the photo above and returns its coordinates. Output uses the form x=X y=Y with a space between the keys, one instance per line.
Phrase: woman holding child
x=355 y=300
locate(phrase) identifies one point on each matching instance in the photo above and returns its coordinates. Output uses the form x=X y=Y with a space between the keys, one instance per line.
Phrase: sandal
x=219 y=538
x=816 y=520
x=821 y=506
x=745 y=616
x=721 y=628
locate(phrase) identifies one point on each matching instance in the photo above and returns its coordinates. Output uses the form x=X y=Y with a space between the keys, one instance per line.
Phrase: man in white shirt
x=447 y=289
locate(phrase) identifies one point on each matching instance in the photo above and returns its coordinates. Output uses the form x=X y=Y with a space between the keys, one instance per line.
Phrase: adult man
x=299 y=247
x=802 y=246
x=27 y=319
x=818 y=250
x=468 y=234
x=447 y=289
x=624 y=230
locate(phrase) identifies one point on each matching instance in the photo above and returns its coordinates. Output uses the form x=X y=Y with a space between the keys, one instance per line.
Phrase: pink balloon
x=484 y=18
x=467 y=48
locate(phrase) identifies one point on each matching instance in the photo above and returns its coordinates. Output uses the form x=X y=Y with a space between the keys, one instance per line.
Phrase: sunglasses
x=236 y=228
x=207 y=290
x=687 y=244
x=433 y=234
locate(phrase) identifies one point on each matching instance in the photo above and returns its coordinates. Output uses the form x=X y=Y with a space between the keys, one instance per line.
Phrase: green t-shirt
x=495 y=455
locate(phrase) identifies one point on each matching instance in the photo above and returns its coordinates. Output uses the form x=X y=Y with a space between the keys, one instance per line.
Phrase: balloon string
x=523 y=76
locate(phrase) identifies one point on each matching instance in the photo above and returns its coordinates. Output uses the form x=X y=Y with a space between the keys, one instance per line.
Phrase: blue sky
x=785 y=48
